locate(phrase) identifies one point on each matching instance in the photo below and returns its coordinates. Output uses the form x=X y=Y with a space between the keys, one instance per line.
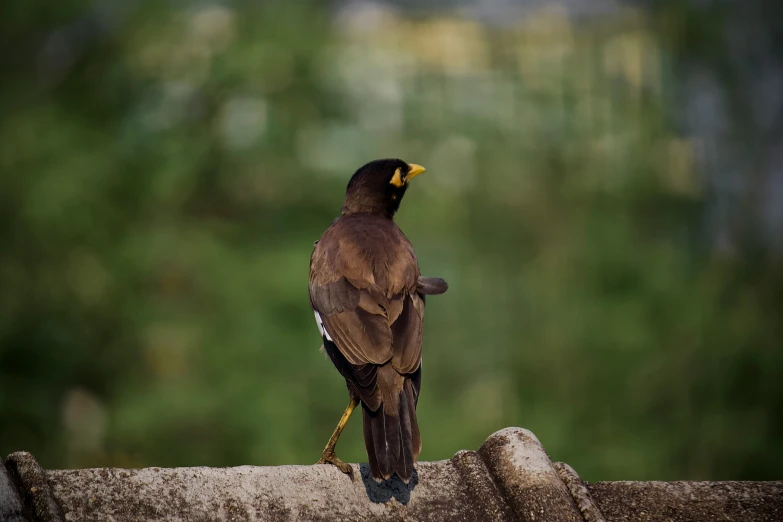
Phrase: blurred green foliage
x=165 y=169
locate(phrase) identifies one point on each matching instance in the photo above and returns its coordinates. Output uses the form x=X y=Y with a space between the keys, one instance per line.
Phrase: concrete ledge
x=525 y=474
x=34 y=487
x=579 y=492
x=509 y=478
x=11 y=509
x=652 y=501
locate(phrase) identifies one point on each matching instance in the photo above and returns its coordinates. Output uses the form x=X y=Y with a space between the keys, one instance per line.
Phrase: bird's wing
x=406 y=335
x=354 y=319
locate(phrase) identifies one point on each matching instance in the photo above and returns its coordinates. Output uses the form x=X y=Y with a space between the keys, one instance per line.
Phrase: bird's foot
x=329 y=457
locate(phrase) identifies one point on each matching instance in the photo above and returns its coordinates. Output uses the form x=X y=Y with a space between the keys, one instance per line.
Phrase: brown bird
x=368 y=298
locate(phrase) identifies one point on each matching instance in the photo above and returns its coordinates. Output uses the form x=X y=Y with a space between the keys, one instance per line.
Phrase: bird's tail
x=391 y=435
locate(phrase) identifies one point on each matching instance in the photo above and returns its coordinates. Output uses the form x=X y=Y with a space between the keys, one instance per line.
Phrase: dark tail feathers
x=392 y=438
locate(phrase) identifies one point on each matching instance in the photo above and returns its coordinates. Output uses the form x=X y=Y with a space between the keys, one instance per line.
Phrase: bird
x=368 y=295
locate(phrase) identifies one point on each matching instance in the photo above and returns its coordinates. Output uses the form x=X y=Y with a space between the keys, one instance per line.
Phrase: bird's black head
x=378 y=187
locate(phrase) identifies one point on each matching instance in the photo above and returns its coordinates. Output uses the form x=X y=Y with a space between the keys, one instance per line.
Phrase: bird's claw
x=331 y=458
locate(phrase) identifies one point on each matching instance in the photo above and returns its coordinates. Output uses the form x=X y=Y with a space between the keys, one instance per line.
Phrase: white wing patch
x=321 y=327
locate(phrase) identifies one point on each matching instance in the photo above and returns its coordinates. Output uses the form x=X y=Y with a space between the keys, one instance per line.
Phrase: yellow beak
x=414 y=171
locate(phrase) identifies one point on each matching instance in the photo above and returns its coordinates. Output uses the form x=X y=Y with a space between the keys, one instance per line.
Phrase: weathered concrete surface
x=579 y=492
x=481 y=487
x=526 y=476
x=33 y=486
x=260 y=493
x=510 y=478
x=689 y=501
x=462 y=488
x=11 y=509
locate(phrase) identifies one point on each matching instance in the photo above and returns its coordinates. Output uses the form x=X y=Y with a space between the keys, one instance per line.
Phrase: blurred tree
x=165 y=168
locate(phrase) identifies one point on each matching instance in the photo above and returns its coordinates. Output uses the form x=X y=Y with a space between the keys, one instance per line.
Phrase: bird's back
x=370 y=251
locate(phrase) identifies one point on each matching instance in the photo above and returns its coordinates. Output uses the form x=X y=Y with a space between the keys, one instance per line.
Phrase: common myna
x=368 y=298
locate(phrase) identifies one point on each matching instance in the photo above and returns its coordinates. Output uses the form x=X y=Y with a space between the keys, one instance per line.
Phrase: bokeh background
x=604 y=195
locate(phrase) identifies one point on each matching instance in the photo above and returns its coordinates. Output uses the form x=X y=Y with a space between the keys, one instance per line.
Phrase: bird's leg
x=328 y=455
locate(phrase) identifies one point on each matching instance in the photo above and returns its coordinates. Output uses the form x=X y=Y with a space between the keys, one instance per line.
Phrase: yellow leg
x=328 y=456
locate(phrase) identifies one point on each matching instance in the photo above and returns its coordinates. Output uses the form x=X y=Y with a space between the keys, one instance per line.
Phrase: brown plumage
x=367 y=295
